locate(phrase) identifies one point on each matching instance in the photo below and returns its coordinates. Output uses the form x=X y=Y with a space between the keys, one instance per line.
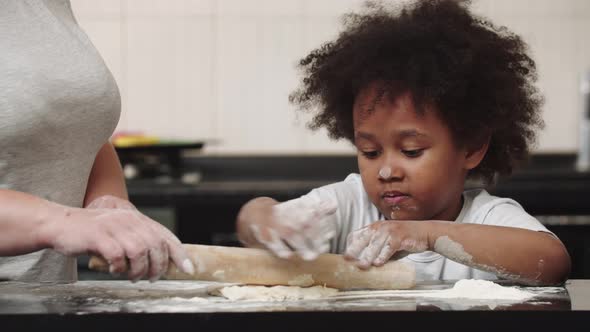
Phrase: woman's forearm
x=21 y=217
x=106 y=177
x=527 y=256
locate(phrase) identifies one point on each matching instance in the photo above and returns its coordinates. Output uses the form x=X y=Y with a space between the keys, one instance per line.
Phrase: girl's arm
x=255 y=213
x=526 y=256
x=531 y=257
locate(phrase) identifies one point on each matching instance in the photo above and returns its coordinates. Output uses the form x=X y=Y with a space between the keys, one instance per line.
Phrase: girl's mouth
x=394 y=198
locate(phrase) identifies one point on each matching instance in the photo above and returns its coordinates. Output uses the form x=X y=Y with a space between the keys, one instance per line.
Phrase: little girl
x=431 y=96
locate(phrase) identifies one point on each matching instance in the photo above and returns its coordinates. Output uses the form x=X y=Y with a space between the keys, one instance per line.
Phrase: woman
x=62 y=192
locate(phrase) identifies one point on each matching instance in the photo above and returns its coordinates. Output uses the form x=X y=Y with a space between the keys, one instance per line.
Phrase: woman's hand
x=301 y=226
x=130 y=241
x=377 y=243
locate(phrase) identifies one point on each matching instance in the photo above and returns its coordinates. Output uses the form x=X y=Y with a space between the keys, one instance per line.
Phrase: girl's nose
x=385 y=173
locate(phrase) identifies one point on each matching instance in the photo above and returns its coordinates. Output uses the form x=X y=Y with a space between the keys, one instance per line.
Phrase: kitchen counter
x=105 y=304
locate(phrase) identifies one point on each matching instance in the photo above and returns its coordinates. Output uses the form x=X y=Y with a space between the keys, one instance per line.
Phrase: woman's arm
x=128 y=240
x=106 y=177
x=115 y=230
x=21 y=217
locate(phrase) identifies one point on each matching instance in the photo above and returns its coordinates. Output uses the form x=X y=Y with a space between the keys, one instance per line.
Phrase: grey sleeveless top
x=58 y=105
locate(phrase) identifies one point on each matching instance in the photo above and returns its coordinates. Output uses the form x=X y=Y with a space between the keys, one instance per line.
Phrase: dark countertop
x=107 y=304
x=173 y=296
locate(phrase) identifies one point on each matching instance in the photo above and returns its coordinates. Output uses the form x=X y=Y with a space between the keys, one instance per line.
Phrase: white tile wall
x=222 y=69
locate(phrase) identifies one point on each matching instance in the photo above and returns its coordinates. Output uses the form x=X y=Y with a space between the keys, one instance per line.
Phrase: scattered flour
x=171 y=304
x=172 y=300
x=274 y=293
x=482 y=290
x=463 y=289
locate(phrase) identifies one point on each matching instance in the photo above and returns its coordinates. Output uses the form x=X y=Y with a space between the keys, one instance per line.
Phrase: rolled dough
x=274 y=293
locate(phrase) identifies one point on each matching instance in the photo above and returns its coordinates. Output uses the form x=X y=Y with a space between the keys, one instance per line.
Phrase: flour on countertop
x=171 y=304
x=470 y=289
x=482 y=290
x=171 y=300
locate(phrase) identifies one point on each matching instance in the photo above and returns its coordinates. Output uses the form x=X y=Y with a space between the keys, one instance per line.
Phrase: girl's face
x=409 y=164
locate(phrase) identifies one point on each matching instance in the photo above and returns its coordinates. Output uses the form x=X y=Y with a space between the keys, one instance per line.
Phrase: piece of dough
x=274 y=293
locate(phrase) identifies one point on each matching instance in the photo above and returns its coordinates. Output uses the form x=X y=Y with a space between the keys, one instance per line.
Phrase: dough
x=274 y=293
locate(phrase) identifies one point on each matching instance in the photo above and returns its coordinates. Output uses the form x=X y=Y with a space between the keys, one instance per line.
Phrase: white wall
x=222 y=69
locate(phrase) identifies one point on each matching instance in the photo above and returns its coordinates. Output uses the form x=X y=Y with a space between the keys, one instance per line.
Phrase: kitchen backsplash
x=222 y=69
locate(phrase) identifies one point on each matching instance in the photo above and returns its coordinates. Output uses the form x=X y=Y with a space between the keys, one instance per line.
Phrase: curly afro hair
x=477 y=76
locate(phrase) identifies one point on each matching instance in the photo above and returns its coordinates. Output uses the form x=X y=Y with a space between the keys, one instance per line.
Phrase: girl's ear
x=474 y=154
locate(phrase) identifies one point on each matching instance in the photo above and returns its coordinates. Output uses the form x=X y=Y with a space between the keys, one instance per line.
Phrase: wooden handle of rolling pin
x=260 y=267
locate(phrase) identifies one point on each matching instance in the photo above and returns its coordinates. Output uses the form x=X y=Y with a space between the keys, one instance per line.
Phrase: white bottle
x=583 y=162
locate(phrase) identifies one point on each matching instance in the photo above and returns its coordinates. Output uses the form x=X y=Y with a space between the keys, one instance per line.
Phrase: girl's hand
x=300 y=226
x=376 y=243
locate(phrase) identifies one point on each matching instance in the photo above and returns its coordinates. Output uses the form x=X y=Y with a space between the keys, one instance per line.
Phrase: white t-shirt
x=355 y=210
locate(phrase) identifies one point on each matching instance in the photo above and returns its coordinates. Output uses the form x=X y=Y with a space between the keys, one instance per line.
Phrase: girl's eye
x=413 y=153
x=370 y=154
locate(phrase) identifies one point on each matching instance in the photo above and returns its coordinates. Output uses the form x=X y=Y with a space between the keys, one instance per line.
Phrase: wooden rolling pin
x=260 y=267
